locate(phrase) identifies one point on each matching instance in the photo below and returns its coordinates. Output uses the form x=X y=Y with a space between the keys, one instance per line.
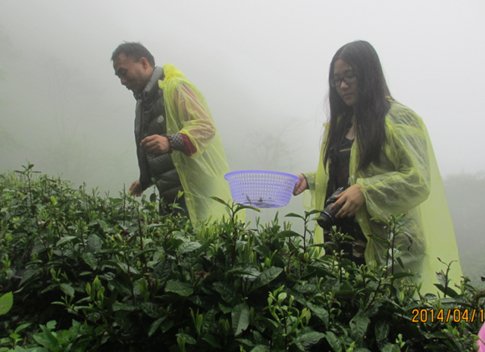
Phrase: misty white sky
x=262 y=66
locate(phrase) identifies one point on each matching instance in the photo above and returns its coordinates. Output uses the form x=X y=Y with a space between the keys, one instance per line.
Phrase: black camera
x=327 y=219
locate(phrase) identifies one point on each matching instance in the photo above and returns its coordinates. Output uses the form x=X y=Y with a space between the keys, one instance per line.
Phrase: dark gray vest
x=150 y=119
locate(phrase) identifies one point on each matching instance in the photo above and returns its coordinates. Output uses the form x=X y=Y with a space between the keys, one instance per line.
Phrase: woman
x=379 y=151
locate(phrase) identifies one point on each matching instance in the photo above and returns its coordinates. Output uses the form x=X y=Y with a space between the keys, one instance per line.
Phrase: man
x=178 y=146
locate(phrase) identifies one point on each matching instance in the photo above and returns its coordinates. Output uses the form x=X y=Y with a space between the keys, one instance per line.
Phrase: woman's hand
x=352 y=199
x=300 y=185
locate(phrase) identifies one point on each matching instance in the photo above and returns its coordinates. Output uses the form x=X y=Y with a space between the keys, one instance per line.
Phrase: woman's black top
x=339 y=177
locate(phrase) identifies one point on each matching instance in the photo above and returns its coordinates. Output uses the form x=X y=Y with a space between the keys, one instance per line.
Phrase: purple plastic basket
x=261 y=189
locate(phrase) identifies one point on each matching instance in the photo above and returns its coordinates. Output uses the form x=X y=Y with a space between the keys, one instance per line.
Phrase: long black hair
x=370 y=110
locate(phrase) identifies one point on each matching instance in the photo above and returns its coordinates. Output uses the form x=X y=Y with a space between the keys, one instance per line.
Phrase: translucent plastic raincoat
x=407 y=180
x=201 y=174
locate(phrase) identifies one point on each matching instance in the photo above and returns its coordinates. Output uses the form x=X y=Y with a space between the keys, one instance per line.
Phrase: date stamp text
x=446 y=315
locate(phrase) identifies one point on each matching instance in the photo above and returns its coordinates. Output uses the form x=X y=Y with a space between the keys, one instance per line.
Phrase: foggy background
x=263 y=68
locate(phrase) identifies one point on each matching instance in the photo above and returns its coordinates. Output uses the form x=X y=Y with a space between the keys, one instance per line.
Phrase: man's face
x=133 y=75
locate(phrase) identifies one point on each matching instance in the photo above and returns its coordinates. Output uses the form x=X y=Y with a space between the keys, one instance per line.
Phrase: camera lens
x=325 y=221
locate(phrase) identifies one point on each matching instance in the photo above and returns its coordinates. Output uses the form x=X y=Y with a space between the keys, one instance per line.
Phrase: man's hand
x=300 y=185
x=156 y=144
x=135 y=189
x=352 y=199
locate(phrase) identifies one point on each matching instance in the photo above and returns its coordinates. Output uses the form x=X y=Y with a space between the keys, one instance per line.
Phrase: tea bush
x=92 y=273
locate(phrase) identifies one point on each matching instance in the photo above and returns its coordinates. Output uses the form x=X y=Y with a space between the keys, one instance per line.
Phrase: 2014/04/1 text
x=441 y=315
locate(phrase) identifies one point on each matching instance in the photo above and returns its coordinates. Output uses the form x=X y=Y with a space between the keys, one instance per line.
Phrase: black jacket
x=150 y=120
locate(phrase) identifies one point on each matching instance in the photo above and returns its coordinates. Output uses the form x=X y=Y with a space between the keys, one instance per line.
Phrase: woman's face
x=345 y=82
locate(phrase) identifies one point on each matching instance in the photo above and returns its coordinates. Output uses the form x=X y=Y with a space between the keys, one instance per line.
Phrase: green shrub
x=91 y=273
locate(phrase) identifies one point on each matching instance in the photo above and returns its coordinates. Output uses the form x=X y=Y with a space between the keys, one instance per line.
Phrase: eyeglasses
x=348 y=79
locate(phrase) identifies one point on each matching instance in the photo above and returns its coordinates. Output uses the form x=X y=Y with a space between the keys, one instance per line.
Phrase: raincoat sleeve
x=310 y=179
x=195 y=120
x=408 y=185
x=202 y=173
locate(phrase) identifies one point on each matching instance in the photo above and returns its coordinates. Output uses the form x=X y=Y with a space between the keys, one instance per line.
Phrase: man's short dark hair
x=134 y=51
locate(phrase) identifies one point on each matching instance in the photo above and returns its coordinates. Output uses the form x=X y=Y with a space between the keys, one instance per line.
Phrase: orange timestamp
x=444 y=316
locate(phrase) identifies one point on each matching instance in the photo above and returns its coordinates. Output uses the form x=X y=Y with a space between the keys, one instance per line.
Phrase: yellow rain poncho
x=406 y=181
x=201 y=174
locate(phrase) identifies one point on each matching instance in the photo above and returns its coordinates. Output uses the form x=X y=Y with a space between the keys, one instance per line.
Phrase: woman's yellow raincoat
x=201 y=174
x=407 y=180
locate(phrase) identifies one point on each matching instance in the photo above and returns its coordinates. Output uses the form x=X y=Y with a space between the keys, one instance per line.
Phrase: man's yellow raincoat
x=407 y=180
x=201 y=174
